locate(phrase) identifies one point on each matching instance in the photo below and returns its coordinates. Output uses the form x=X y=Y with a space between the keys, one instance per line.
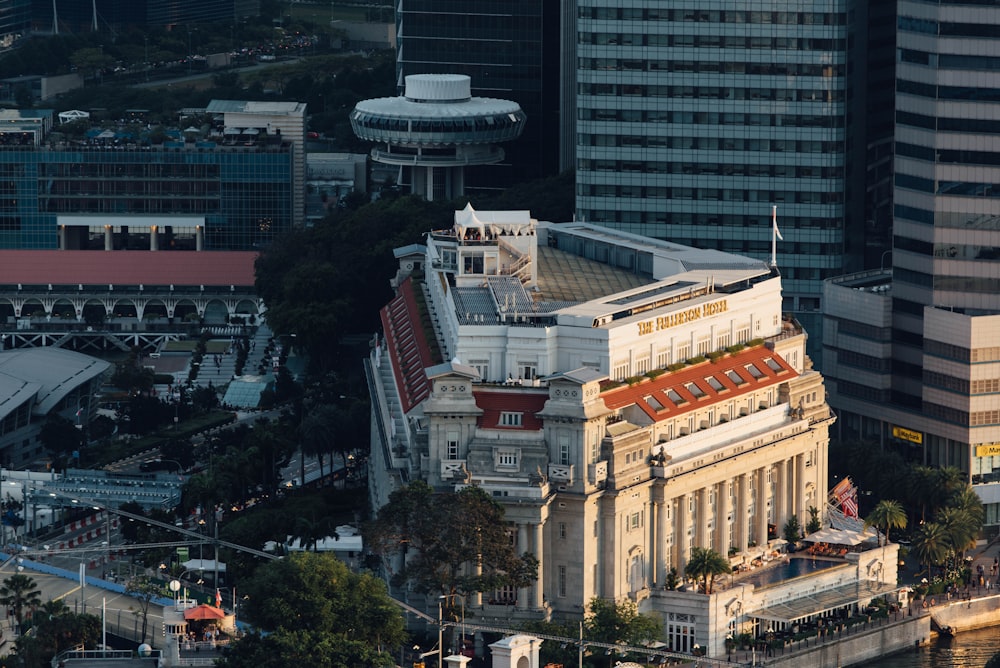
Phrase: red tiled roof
x=657 y=388
x=495 y=402
x=407 y=346
x=38 y=267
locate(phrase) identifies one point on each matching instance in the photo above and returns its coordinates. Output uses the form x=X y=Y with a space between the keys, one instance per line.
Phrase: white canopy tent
x=839 y=537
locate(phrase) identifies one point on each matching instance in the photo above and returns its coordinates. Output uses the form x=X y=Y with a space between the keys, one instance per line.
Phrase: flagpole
x=774 y=235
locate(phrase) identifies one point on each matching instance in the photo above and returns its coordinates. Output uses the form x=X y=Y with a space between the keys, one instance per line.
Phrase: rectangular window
x=561 y=576
x=452 y=438
x=507 y=458
x=508 y=419
x=562 y=530
x=564 y=449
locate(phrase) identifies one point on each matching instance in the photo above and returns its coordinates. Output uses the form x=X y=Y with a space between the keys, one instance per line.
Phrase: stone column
x=780 y=495
x=62 y=237
x=655 y=543
x=539 y=593
x=199 y=238
x=680 y=533
x=760 y=508
x=109 y=238
x=522 y=547
x=702 y=536
x=742 y=508
x=723 y=506
x=799 y=489
x=154 y=238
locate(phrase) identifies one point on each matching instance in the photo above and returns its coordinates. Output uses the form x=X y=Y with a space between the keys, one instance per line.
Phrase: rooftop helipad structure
x=435 y=129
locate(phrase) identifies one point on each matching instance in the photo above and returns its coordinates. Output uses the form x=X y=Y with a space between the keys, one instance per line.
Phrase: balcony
x=561 y=474
x=598 y=473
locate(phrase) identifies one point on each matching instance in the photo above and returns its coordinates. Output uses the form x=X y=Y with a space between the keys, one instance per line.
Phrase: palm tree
x=960 y=527
x=932 y=545
x=921 y=489
x=887 y=514
x=704 y=565
x=20 y=592
x=966 y=499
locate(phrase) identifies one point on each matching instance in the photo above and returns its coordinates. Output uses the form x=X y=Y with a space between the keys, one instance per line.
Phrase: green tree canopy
x=704 y=565
x=459 y=541
x=143 y=590
x=886 y=515
x=20 y=593
x=932 y=545
x=55 y=629
x=619 y=623
x=316 y=612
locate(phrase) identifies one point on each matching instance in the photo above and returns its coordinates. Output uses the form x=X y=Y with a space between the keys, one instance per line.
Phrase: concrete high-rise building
x=511 y=50
x=913 y=355
x=693 y=120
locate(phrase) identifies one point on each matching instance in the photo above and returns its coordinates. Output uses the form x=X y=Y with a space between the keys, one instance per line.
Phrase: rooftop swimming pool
x=795 y=567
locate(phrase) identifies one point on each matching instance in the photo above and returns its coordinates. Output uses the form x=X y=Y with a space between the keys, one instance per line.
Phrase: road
x=120 y=610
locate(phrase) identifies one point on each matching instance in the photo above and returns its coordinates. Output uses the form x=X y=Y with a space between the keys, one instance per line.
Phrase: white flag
x=774 y=222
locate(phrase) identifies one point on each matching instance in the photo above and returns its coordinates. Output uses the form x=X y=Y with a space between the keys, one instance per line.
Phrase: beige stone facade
x=609 y=476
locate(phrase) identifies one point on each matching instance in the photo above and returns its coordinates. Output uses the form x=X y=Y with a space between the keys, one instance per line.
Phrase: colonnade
x=730 y=513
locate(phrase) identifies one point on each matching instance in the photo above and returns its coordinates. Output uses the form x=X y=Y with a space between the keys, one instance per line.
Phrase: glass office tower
x=694 y=118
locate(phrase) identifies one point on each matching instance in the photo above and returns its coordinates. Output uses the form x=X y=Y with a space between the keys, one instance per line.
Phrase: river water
x=969 y=649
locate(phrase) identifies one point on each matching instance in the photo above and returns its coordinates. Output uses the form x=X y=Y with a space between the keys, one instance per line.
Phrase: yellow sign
x=681 y=317
x=908 y=435
x=988 y=450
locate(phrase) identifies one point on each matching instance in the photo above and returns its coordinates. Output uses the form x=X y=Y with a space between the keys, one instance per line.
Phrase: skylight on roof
x=754 y=371
x=654 y=403
x=676 y=398
x=735 y=377
x=714 y=383
x=773 y=364
x=695 y=390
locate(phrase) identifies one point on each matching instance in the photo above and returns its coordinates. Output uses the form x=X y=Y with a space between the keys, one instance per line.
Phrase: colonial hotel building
x=625 y=398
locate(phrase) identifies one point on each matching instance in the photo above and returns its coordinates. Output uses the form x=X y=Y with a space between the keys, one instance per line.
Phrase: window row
x=951 y=351
x=713 y=67
x=959 y=220
x=960 y=188
x=713 y=168
x=947 y=251
x=869 y=362
x=714 y=144
x=674 y=217
x=724 y=92
x=710 y=194
x=950 y=61
x=858 y=391
x=716 y=414
x=789 y=42
x=949 y=156
x=863 y=330
x=712 y=118
x=962 y=385
x=972 y=93
x=960 y=417
x=711 y=16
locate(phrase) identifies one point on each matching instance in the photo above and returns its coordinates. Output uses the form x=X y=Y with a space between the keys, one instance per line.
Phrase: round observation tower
x=435 y=129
